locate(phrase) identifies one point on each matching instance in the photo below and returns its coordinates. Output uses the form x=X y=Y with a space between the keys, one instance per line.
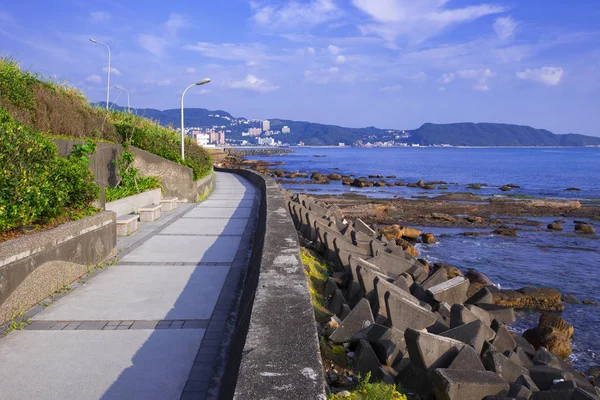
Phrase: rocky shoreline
x=460 y=210
x=438 y=332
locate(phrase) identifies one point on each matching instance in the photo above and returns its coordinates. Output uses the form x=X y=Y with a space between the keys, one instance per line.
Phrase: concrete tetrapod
x=404 y=314
x=466 y=384
x=428 y=351
x=453 y=291
x=474 y=334
x=359 y=318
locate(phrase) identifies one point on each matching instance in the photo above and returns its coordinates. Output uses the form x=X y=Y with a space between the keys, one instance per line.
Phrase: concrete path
x=150 y=327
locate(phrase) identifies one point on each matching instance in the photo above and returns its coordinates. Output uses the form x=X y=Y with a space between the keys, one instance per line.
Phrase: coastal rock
x=506 y=231
x=452 y=271
x=317 y=176
x=555 y=226
x=569 y=298
x=474 y=219
x=335 y=177
x=421 y=183
x=379 y=183
x=475 y=276
x=572 y=189
x=474 y=186
x=589 y=302
x=552 y=333
x=347 y=181
x=513 y=186
x=428 y=238
x=546 y=299
x=411 y=185
x=585 y=229
x=398 y=232
x=505 y=188
x=407 y=247
x=429 y=187
x=443 y=217
x=359 y=183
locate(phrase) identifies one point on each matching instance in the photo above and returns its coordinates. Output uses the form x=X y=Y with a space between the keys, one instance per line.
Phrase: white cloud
x=190 y=70
x=113 y=70
x=549 y=76
x=251 y=64
x=252 y=83
x=334 y=50
x=505 y=28
x=419 y=77
x=311 y=50
x=94 y=78
x=442 y=89
x=100 y=16
x=446 y=78
x=154 y=44
x=480 y=77
x=175 y=23
x=334 y=70
x=294 y=14
x=416 y=20
x=390 y=89
x=340 y=59
x=233 y=52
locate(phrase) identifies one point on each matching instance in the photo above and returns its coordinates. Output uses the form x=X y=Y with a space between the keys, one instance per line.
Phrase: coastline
x=475 y=221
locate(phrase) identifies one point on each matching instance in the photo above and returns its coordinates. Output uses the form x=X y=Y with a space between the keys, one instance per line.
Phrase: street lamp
x=126 y=91
x=108 y=82
x=202 y=82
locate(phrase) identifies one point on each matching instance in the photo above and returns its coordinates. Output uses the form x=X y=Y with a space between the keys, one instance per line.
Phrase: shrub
x=36 y=184
x=163 y=142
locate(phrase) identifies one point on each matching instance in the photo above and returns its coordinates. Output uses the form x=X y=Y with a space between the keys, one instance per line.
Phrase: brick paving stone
x=92 y=325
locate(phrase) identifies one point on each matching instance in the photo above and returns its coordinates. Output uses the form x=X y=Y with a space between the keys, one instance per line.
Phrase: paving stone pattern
x=174 y=294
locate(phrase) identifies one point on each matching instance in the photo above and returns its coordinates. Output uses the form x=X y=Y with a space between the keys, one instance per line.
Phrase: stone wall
x=35 y=266
x=275 y=351
x=176 y=180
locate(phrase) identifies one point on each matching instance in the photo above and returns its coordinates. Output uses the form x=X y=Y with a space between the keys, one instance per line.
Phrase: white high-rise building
x=266 y=125
x=285 y=129
x=202 y=139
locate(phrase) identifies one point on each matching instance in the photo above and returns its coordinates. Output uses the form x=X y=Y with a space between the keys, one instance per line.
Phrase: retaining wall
x=176 y=180
x=275 y=350
x=131 y=204
x=35 y=266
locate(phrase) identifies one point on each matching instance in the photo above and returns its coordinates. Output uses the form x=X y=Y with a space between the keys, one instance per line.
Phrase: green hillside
x=315 y=134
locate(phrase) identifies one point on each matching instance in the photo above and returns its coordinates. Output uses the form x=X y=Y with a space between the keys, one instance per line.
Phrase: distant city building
x=214 y=136
x=221 y=138
x=253 y=132
x=268 y=141
x=266 y=125
x=341 y=144
x=285 y=129
x=202 y=139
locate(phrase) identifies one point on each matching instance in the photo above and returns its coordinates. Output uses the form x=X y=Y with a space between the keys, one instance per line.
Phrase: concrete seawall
x=34 y=266
x=275 y=350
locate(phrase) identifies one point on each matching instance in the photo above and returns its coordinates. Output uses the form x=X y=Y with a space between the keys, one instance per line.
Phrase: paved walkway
x=150 y=327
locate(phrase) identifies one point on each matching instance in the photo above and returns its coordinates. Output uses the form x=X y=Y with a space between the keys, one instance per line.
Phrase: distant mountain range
x=457 y=134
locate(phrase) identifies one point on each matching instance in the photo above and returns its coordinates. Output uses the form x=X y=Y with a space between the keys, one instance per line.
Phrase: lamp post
x=108 y=82
x=202 y=82
x=126 y=91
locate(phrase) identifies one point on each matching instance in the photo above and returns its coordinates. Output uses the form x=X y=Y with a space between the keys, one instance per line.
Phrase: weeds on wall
x=130 y=181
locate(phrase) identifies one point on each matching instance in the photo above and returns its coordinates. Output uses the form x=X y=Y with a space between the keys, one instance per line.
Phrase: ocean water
x=539 y=172
x=562 y=260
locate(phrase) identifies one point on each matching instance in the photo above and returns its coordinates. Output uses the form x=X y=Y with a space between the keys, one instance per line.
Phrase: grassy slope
x=60 y=110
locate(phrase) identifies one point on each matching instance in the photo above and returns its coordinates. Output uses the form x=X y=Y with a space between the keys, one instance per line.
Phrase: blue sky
x=388 y=63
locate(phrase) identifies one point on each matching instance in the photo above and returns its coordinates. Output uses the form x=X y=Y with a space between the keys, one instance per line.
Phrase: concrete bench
x=168 y=203
x=149 y=213
x=127 y=224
